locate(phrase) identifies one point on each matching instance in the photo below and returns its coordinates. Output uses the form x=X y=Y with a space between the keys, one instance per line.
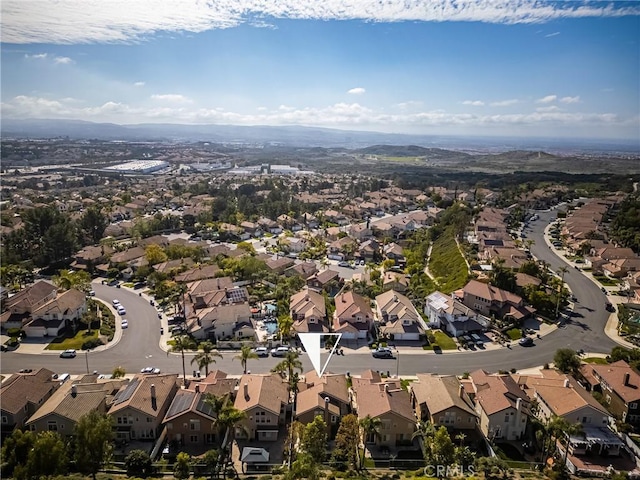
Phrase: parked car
x=526 y=342
x=92 y=293
x=121 y=310
x=69 y=353
x=343 y=264
x=115 y=302
x=280 y=351
x=261 y=351
x=124 y=323
x=113 y=283
x=609 y=307
x=150 y=370
x=382 y=352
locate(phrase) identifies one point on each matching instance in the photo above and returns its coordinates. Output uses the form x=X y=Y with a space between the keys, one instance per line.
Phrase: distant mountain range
x=298 y=136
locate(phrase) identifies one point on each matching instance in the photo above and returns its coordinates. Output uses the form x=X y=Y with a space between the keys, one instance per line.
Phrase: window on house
x=52 y=426
x=194 y=425
x=632 y=405
x=209 y=438
x=193 y=438
x=506 y=417
x=5 y=419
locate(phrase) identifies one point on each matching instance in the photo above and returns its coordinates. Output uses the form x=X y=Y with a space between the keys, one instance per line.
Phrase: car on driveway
x=150 y=370
x=261 y=351
x=526 y=342
x=124 y=323
x=382 y=352
x=69 y=353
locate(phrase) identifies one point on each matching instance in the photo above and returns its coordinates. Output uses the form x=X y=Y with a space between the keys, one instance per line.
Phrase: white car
x=115 y=302
x=261 y=351
x=150 y=370
x=125 y=323
x=121 y=310
x=279 y=352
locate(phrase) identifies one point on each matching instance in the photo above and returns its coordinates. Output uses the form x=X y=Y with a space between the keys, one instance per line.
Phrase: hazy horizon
x=511 y=69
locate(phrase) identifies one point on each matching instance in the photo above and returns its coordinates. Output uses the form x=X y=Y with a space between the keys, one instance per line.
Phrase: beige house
x=63 y=311
x=139 y=408
x=397 y=318
x=265 y=400
x=443 y=402
x=327 y=396
x=387 y=401
x=502 y=407
x=18 y=308
x=308 y=312
x=70 y=402
x=353 y=316
x=22 y=394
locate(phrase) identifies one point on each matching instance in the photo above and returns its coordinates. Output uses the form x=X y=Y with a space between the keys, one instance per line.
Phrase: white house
x=452 y=316
x=49 y=319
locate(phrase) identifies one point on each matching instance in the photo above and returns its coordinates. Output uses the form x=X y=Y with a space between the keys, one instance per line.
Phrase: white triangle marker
x=311 y=342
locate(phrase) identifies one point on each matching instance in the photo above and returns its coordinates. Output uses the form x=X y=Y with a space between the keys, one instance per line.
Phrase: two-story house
x=63 y=311
x=620 y=388
x=72 y=401
x=308 y=312
x=502 y=407
x=489 y=300
x=327 y=280
x=327 y=396
x=139 y=407
x=397 y=318
x=448 y=314
x=22 y=394
x=353 y=316
x=442 y=401
x=265 y=401
x=18 y=308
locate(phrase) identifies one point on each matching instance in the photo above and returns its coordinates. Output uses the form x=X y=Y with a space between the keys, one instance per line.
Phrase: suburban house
x=442 y=400
x=63 y=311
x=327 y=280
x=620 y=388
x=200 y=272
x=343 y=248
x=190 y=419
x=394 y=252
x=223 y=321
x=327 y=396
x=397 y=318
x=450 y=315
x=489 y=300
x=90 y=257
x=18 y=308
x=139 y=407
x=304 y=270
x=308 y=312
x=265 y=401
x=386 y=400
x=395 y=281
x=22 y=394
x=501 y=405
x=72 y=401
x=353 y=316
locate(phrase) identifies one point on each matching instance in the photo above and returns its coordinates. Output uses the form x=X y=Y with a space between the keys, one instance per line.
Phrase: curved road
x=139 y=345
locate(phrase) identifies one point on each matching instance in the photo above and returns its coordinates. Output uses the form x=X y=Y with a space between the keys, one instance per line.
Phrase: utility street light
x=397 y=362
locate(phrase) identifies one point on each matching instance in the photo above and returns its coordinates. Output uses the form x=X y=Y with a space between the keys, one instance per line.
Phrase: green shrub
x=91 y=344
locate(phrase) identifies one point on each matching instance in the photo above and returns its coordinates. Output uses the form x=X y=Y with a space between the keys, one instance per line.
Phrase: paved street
x=140 y=345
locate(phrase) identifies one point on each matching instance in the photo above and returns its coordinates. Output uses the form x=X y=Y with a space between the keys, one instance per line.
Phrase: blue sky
x=495 y=68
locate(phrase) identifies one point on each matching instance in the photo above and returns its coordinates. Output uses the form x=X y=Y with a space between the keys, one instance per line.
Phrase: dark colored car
x=526 y=342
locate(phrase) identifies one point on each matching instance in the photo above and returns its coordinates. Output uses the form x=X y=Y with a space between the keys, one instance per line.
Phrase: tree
x=285 y=325
x=182 y=467
x=442 y=449
x=118 y=372
x=66 y=280
x=154 y=254
x=246 y=354
x=93 y=224
x=492 y=467
x=15 y=452
x=345 y=452
x=314 y=439
x=425 y=432
x=138 y=463
x=370 y=427
x=48 y=456
x=227 y=421
x=93 y=435
x=206 y=357
x=180 y=344
x=305 y=467
x=566 y=360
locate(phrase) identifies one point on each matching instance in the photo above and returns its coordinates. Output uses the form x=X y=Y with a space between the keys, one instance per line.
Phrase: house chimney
x=626 y=379
x=197 y=388
x=386 y=388
x=246 y=390
x=461 y=391
x=566 y=383
x=519 y=404
x=74 y=390
x=153 y=391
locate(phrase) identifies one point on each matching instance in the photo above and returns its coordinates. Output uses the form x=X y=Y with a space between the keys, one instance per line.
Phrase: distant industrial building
x=265 y=168
x=138 y=167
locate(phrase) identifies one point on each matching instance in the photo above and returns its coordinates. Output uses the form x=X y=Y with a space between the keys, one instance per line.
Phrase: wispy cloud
x=547 y=99
x=550 y=108
x=117 y=21
x=474 y=103
x=171 y=97
x=552 y=34
x=575 y=99
x=62 y=60
x=356 y=91
x=36 y=56
x=504 y=103
x=139 y=84
x=46 y=56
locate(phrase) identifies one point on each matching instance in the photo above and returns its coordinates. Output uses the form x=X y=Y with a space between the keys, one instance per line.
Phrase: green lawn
x=75 y=342
x=596 y=360
x=446 y=263
x=606 y=281
x=444 y=341
x=514 y=333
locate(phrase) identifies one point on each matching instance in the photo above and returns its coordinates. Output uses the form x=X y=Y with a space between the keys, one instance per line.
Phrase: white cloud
x=63 y=61
x=115 y=21
x=550 y=108
x=552 y=34
x=356 y=91
x=36 y=56
x=139 y=84
x=171 y=97
x=262 y=109
x=408 y=104
x=504 y=103
x=286 y=108
x=547 y=99
x=473 y=103
x=575 y=99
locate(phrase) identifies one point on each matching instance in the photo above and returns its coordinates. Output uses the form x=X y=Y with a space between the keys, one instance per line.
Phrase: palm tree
x=217 y=403
x=288 y=367
x=206 y=357
x=246 y=354
x=371 y=426
x=227 y=421
x=285 y=325
x=425 y=432
x=180 y=344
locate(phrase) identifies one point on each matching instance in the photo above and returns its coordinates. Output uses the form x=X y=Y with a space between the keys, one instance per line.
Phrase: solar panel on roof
x=237 y=295
x=125 y=394
x=204 y=407
x=181 y=403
